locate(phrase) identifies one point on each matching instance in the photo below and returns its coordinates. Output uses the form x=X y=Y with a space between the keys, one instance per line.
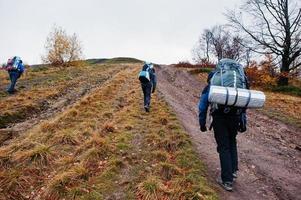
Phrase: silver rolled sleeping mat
x=237 y=97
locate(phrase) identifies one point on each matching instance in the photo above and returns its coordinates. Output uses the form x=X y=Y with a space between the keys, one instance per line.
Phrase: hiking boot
x=146 y=108
x=234 y=175
x=226 y=185
x=11 y=92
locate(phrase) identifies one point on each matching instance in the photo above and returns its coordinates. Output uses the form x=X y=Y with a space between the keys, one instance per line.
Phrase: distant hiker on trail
x=227 y=120
x=148 y=81
x=15 y=69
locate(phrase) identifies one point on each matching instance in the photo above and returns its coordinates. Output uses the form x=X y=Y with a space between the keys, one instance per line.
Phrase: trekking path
x=269 y=159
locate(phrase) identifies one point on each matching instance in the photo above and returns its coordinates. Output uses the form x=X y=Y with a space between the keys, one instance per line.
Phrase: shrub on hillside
x=186 y=64
x=262 y=74
x=62 y=50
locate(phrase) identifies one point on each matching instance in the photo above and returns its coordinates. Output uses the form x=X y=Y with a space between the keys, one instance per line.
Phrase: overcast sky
x=161 y=31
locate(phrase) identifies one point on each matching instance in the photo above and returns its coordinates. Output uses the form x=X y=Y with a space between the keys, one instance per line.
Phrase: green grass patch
x=289 y=89
x=123 y=60
x=281 y=117
x=200 y=70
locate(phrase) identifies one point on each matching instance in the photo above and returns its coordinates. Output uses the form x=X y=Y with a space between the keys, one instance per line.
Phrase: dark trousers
x=13 y=76
x=147 y=91
x=225 y=131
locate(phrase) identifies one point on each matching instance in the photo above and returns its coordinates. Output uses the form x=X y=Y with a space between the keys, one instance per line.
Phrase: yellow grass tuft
x=94 y=154
x=168 y=170
x=41 y=154
x=150 y=189
x=13 y=183
x=5 y=158
x=160 y=155
x=49 y=127
x=168 y=145
x=66 y=137
x=59 y=186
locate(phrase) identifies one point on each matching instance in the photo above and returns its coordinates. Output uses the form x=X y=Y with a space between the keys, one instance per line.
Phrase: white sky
x=161 y=31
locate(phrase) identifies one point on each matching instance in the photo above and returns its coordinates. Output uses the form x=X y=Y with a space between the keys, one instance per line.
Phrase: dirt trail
x=269 y=159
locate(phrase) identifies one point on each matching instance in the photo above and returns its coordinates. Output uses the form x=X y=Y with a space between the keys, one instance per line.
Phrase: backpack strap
x=227 y=96
x=249 y=99
x=222 y=81
x=213 y=107
x=236 y=97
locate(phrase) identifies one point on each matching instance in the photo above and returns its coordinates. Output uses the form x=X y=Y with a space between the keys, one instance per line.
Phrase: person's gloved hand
x=203 y=128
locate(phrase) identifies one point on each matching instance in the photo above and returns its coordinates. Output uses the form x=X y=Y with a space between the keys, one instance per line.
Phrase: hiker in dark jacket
x=148 y=87
x=15 y=69
x=225 y=126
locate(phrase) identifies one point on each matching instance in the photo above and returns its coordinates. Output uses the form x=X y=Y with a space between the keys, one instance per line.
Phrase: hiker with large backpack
x=148 y=80
x=228 y=96
x=15 y=69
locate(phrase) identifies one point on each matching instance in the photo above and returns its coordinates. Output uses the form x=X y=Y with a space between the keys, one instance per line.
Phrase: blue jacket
x=203 y=105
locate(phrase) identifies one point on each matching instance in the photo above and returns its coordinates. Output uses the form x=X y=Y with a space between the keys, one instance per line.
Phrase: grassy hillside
x=102 y=146
x=38 y=85
x=121 y=60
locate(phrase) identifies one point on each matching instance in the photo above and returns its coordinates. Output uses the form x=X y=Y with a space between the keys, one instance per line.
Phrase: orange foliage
x=262 y=74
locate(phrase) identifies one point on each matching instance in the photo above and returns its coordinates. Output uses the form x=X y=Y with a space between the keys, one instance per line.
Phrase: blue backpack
x=18 y=64
x=144 y=75
x=21 y=68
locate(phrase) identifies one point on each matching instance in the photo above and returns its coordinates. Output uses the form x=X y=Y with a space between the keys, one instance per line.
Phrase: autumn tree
x=274 y=27
x=62 y=50
x=262 y=74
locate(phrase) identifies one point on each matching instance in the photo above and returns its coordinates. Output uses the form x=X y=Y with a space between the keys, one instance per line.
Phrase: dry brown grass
x=151 y=189
x=284 y=105
x=60 y=185
x=103 y=145
x=41 y=155
x=13 y=183
x=168 y=170
x=37 y=86
x=68 y=137
x=108 y=128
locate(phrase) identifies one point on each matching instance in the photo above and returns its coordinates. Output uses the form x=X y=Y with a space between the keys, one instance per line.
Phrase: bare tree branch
x=276 y=28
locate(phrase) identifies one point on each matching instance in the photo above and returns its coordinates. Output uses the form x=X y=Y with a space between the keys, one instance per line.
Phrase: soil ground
x=269 y=154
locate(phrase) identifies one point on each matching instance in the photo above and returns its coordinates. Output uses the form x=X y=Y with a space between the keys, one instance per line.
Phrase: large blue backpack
x=229 y=73
x=144 y=75
x=18 y=64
